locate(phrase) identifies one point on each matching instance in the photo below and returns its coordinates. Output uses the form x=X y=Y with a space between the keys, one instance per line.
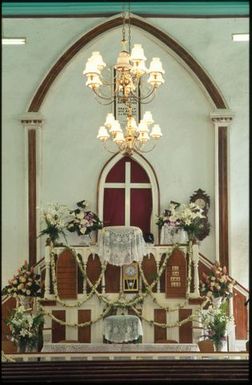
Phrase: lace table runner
x=121 y=245
x=122 y=328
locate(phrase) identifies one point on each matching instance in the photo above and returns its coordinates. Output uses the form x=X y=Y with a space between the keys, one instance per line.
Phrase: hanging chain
x=129 y=27
x=123 y=22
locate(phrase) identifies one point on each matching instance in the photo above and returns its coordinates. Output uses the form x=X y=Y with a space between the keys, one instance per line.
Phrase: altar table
x=121 y=245
x=122 y=328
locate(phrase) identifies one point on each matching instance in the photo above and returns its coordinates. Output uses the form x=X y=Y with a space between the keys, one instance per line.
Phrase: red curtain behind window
x=140 y=198
x=141 y=208
x=113 y=210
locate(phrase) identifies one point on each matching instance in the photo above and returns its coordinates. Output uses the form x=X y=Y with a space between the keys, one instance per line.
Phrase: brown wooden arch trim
x=85 y=39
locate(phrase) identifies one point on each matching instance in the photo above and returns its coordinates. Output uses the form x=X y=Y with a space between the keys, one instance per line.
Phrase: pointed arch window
x=128 y=194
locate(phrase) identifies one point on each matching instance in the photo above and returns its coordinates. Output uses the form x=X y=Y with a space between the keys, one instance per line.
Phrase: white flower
x=80 y=215
x=83 y=230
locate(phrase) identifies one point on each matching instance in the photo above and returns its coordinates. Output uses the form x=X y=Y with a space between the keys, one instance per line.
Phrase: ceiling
x=171 y=8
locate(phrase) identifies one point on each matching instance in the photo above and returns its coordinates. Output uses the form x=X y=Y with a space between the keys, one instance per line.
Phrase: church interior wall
x=72 y=158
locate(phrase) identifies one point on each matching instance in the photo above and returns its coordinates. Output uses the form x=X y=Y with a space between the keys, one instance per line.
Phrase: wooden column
x=222 y=119
x=32 y=122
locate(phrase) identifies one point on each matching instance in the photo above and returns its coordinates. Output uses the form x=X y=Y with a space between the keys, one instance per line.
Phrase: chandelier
x=128 y=82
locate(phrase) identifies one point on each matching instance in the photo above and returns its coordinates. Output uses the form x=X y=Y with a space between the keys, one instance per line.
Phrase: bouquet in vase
x=217 y=284
x=216 y=324
x=26 y=283
x=83 y=221
x=190 y=217
x=25 y=328
x=54 y=219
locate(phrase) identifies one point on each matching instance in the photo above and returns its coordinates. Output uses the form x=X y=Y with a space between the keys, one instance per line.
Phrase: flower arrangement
x=25 y=283
x=216 y=324
x=54 y=219
x=190 y=219
x=24 y=327
x=187 y=217
x=170 y=216
x=217 y=283
x=83 y=221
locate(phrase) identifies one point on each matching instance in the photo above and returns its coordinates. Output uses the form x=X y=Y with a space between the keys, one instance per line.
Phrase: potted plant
x=83 y=221
x=190 y=217
x=216 y=324
x=25 y=285
x=54 y=219
x=25 y=328
x=217 y=285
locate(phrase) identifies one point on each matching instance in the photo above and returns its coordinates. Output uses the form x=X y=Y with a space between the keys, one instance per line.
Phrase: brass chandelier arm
x=106 y=148
x=104 y=104
x=144 y=151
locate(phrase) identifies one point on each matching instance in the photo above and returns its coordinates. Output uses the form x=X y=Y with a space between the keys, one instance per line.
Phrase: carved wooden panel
x=150 y=271
x=84 y=333
x=7 y=307
x=93 y=271
x=185 y=331
x=67 y=275
x=112 y=279
x=159 y=333
x=176 y=275
x=240 y=315
x=58 y=331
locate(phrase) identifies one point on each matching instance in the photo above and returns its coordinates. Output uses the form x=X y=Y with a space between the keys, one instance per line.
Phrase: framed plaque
x=176 y=275
x=120 y=108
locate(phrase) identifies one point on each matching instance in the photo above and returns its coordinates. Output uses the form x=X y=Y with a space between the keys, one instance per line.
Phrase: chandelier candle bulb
x=143 y=126
x=156 y=66
x=148 y=117
x=137 y=53
x=156 y=132
x=97 y=60
x=115 y=128
x=103 y=134
x=109 y=120
x=119 y=138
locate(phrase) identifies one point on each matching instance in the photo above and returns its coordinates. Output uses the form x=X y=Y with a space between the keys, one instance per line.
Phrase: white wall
x=71 y=156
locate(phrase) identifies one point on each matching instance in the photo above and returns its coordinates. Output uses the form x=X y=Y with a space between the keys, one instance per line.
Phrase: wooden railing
x=128 y=371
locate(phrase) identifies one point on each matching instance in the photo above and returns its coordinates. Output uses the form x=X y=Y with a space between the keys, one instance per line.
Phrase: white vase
x=25 y=301
x=183 y=237
x=217 y=301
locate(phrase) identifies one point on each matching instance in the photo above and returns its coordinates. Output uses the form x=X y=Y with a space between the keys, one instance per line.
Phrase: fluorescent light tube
x=13 y=40
x=240 y=36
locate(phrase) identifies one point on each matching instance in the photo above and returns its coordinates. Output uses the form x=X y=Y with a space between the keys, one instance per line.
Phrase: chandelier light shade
x=120 y=83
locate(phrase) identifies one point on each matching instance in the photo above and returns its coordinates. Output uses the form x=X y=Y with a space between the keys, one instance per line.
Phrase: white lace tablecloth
x=122 y=328
x=121 y=245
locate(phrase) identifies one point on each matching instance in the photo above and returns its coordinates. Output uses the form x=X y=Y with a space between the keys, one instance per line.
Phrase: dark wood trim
x=223 y=197
x=108 y=25
x=32 y=225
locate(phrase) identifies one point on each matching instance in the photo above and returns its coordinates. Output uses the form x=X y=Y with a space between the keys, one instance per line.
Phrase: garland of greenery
x=4 y=357
x=120 y=300
x=83 y=324
x=55 y=287
x=175 y=324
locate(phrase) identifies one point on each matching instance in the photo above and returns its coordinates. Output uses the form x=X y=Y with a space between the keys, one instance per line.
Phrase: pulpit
x=122 y=328
x=121 y=245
